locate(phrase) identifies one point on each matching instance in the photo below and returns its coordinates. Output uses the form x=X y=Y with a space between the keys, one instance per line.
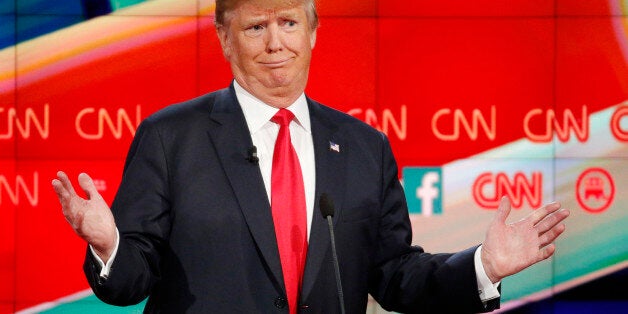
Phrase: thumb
x=87 y=184
x=503 y=210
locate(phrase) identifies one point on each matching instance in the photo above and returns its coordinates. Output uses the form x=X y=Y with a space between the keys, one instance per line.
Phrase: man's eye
x=288 y=23
x=254 y=30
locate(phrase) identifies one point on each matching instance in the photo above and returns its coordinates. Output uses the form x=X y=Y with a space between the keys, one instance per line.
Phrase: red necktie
x=288 y=207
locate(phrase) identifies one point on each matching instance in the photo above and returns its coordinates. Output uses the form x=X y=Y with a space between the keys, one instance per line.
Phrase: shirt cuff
x=106 y=268
x=487 y=290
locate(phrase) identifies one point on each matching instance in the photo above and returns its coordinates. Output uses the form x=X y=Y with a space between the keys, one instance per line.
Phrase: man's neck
x=279 y=97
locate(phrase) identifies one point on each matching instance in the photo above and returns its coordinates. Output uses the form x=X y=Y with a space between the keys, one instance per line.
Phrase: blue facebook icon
x=423 y=187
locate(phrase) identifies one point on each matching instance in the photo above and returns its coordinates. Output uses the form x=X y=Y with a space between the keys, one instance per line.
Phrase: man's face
x=269 y=47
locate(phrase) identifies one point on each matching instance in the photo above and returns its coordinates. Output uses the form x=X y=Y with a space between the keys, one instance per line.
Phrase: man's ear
x=313 y=39
x=225 y=43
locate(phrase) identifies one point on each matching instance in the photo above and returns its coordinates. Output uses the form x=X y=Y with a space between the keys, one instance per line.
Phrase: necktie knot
x=283 y=117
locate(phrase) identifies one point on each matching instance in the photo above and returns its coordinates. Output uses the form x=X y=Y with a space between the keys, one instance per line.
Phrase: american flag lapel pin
x=334 y=147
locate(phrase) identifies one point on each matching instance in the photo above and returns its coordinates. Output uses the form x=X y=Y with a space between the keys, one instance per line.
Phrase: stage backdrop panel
x=479 y=99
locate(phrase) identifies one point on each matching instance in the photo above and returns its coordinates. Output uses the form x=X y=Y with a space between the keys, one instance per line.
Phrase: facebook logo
x=423 y=187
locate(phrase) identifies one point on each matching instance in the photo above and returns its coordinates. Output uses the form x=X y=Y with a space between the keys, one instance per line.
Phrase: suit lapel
x=231 y=139
x=330 y=168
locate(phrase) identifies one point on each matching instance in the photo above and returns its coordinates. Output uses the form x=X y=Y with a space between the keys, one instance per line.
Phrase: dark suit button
x=280 y=302
x=304 y=306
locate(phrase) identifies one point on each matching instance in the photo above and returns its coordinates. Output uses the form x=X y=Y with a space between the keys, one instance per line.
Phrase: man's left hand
x=510 y=248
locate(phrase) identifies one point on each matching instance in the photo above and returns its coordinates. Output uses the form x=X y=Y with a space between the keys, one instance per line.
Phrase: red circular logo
x=595 y=190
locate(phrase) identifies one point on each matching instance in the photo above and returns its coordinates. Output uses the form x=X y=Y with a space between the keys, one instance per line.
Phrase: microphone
x=252 y=155
x=327 y=210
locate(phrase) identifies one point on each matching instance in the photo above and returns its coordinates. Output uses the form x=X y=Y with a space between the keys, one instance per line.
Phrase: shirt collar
x=257 y=113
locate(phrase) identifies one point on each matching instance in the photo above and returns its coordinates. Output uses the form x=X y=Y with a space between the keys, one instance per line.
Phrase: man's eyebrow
x=262 y=17
x=258 y=17
x=287 y=14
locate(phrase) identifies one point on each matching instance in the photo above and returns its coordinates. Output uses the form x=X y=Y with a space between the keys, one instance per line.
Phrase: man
x=200 y=217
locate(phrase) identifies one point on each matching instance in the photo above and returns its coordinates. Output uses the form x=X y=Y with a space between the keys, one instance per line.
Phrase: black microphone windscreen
x=326 y=205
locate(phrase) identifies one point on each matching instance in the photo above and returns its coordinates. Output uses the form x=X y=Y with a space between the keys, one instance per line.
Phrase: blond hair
x=224 y=7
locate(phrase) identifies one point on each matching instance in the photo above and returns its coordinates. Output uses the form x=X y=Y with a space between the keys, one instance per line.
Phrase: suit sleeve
x=405 y=278
x=141 y=210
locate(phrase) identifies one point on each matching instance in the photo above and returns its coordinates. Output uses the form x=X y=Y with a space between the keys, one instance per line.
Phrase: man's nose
x=274 y=40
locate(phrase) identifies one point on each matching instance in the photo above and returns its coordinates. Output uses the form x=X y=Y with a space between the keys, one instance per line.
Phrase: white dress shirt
x=264 y=134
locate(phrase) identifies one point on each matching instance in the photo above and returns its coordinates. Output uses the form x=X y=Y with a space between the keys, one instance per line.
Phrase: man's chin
x=280 y=81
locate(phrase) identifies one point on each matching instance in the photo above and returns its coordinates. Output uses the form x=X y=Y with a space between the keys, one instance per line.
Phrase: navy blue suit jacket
x=197 y=233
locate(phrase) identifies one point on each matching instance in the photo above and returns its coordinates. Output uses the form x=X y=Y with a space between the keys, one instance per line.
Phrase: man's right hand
x=90 y=218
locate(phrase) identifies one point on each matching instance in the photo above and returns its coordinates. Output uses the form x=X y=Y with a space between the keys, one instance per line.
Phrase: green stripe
x=92 y=304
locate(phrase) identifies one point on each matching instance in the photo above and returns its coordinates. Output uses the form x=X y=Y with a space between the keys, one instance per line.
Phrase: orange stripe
x=37 y=52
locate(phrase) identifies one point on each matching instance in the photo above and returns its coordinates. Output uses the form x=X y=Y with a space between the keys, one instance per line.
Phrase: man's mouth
x=276 y=63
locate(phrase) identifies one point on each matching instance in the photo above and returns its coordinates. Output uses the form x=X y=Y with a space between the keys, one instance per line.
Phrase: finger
x=503 y=210
x=64 y=198
x=552 y=220
x=87 y=184
x=65 y=182
x=546 y=252
x=551 y=235
x=542 y=212
x=61 y=192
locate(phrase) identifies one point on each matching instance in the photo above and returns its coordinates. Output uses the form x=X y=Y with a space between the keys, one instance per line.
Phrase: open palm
x=510 y=248
x=90 y=217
